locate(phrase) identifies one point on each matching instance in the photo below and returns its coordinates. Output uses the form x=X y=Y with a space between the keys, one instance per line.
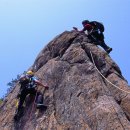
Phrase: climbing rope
x=105 y=77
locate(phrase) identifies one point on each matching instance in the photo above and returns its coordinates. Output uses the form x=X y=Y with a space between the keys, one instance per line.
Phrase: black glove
x=46 y=87
x=75 y=28
x=18 y=96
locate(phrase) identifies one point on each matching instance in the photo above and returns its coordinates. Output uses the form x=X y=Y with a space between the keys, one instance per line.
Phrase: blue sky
x=26 y=26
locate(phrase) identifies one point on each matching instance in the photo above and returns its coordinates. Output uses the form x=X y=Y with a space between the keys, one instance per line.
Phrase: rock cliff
x=78 y=98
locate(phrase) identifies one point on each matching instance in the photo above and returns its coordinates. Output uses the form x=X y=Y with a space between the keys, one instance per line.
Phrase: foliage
x=12 y=84
x=1 y=100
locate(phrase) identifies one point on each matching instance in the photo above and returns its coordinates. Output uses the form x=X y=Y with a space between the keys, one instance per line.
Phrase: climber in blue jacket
x=28 y=84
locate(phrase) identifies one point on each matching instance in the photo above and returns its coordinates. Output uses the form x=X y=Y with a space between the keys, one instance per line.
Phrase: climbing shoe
x=109 y=50
x=17 y=116
x=41 y=106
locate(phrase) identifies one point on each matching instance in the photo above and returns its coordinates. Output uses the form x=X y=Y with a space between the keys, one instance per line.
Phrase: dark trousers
x=32 y=91
x=99 y=39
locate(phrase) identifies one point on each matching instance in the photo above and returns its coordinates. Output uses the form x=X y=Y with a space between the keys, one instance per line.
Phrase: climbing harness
x=105 y=77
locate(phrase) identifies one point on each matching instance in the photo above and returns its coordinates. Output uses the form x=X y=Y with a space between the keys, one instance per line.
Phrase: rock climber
x=94 y=31
x=28 y=84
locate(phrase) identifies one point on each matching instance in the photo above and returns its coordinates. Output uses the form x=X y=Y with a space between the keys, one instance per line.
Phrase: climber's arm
x=39 y=83
x=75 y=28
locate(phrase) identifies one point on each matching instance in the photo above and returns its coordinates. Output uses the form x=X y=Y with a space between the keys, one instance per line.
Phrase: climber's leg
x=105 y=47
x=39 y=101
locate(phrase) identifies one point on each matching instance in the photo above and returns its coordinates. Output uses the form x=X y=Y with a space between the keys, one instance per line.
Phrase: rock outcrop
x=78 y=98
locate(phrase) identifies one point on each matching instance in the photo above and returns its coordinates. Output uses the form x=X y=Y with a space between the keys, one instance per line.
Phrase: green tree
x=1 y=100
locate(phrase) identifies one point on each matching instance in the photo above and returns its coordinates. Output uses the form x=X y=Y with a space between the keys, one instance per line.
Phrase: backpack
x=98 y=25
x=23 y=80
x=27 y=82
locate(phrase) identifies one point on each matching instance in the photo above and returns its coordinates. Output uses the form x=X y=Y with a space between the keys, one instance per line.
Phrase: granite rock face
x=78 y=98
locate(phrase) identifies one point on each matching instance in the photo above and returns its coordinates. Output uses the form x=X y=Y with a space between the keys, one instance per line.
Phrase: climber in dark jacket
x=28 y=86
x=94 y=33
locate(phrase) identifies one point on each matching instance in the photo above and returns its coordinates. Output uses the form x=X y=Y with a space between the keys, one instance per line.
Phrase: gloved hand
x=46 y=87
x=75 y=28
x=18 y=96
